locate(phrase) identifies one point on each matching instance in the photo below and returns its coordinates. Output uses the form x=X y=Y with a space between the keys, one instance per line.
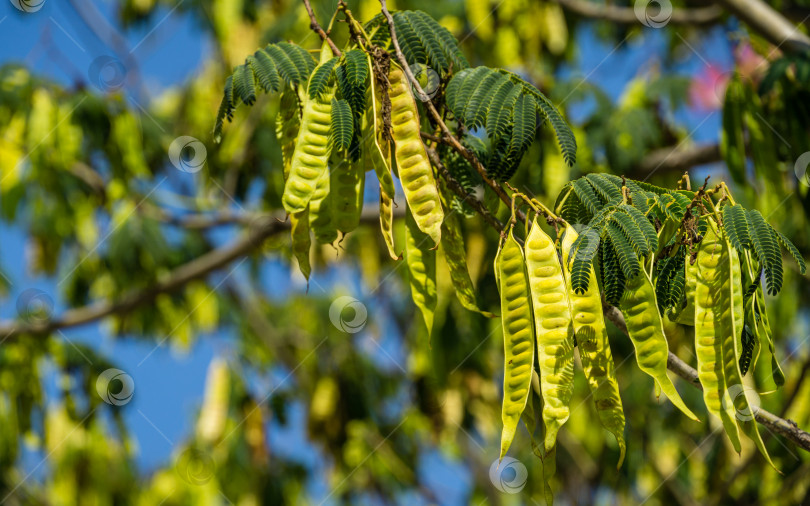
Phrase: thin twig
x=627 y=15
x=316 y=27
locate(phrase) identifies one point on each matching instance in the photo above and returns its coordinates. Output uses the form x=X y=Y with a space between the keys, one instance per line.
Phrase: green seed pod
x=347 y=183
x=518 y=336
x=421 y=261
x=387 y=224
x=320 y=212
x=311 y=155
x=594 y=349
x=714 y=340
x=301 y=241
x=554 y=328
x=415 y=171
x=687 y=314
x=646 y=330
x=456 y=257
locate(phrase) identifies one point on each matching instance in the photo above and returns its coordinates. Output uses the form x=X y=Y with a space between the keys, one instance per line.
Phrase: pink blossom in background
x=749 y=63
x=708 y=88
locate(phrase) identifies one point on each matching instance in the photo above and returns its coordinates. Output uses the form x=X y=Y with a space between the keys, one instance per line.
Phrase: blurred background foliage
x=382 y=415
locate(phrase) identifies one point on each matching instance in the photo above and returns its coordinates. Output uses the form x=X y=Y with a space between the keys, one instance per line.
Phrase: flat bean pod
x=554 y=329
x=594 y=349
x=346 y=185
x=687 y=314
x=646 y=330
x=301 y=241
x=421 y=260
x=765 y=334
x=311 y=156
x=455 y=255
x=288 y=122
x=320 y=212
x=738 y=393
x=387 y=224
x=548 y=459
x=376 y=152
x=287 y=125
x=518 y=336
x=415 y=171
x=715 y=349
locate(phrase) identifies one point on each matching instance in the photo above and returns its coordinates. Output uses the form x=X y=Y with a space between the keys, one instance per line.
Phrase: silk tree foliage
x=346 y=396
x=645 y=246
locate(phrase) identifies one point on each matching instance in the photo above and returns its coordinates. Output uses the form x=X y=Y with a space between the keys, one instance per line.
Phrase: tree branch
x=769 y=23
x=316 y=27
x=260 y=227
x=678 y=159
x=626 y=15
x=786 y=428
x=454 y=185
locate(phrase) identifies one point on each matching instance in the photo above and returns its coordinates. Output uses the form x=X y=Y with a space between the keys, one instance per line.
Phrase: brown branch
x=626 y=15
x=195 y=269
x=200 y=221
x=677 y=159
x=454 y=186
x=786 y=428
x=769 y=23
x=316 y=27
x=449 y=138
x=260 y=227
